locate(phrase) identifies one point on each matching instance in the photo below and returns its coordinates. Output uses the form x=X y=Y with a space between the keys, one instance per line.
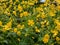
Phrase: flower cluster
x=29 y=22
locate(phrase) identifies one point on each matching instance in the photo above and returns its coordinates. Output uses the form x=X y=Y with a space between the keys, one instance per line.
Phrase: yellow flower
x=39 y=9
x=57 y=24
x=52 y=7
x=51 y=13
x=7 y=26
x=0 y=23
x=20 y=8
x=14 y=8
x=58 y=27
x=25 y=13
x=57 y=39
x=36 y=1
x=15 y=30
x=14 y=12
x=45 y=4
x=46 y=38
x=21 y=15
x=55 y=32
x=18 y=33
x=58 y=7
x=43 y=22
x=43 y=16
x=37 y=30
x=11 y=1
x=23 y=2
x=30 y=22
x=58 y=1
x=30 y=3
x=20 y=26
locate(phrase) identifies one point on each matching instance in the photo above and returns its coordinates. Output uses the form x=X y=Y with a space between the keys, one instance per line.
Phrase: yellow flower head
x=55 y=32
x=58 y=1
x=0 y=23
x=25 y=13
x=37 y=30
x=58 y=7
x=46 y=38
x=57 y=39
x=15 y=30
x=43 y=16
x=18 y=33
x=7 y=26
x=30 y=3
x=21 y=15
x=14 y=12
x=20 y=26
x=51 y=13
x=20 y=8
x=30 y=22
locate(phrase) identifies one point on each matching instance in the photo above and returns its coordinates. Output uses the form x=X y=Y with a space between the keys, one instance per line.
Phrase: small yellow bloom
x=57 y=39
x=14 y=12
x=51 y=13
x=21 y=15
x=55 y=32
x=30 y=22
x=57 y=22
x=43 y=16
x=58 y=1
x=39 y=9
x=46 y=38
x=20 y=8
x=37 y=30
x=45 y=4
x=58 y=7
x=0 y=23
x=58 y=27
x=15 y=30
x=42 y=23
x=7 y=26
x=23 y=2
x=30 y=3
x=18 y=33
x=25 y=13
x=20 y=26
